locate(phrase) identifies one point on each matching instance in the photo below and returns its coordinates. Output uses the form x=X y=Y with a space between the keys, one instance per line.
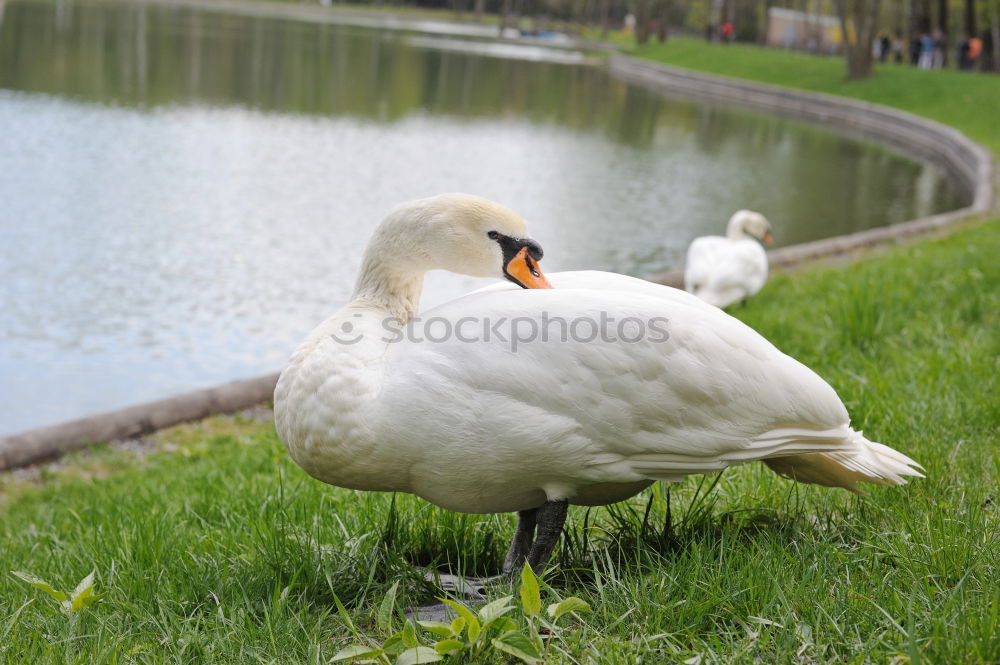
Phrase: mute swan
x=722 y=271
x=473 y=422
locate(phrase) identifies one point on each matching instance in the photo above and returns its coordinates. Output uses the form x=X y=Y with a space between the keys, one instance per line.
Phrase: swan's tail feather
x=856 y=460
x=835 y=457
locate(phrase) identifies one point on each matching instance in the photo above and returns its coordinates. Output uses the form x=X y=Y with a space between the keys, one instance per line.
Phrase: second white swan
x=723 y=270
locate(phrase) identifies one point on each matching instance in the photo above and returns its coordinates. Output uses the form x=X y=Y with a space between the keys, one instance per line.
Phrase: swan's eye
x=493 y=235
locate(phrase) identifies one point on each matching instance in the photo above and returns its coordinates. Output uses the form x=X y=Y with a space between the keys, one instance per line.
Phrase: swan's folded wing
x=620 y=385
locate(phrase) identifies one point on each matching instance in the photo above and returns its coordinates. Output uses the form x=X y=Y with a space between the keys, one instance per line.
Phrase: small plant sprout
x=71 y=602
x=471 y=633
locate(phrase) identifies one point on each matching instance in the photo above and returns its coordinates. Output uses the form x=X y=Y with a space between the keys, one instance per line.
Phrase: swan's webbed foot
x=527 y=545
x=470 y=590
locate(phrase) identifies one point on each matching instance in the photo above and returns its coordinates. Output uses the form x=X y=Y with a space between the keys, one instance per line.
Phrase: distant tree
x=995 y=33
x=943 y=27
x=858 y=21
x=643 y=12
x=505 y=9
x=970 y=18
x=663 y=20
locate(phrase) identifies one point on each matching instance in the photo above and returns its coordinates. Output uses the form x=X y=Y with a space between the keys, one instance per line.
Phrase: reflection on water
x=187 y=193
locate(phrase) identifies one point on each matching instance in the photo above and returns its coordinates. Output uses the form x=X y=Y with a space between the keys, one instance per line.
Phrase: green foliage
x=472 y=634
x=70 y=602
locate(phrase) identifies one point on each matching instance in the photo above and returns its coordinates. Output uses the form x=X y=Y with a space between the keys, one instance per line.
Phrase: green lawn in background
x=968 y=101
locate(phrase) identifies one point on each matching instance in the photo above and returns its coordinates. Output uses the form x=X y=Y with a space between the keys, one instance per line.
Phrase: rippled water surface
x=185 y=194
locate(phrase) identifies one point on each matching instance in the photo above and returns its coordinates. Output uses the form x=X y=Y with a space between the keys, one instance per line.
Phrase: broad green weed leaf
x=457 y=625
x=356 y=651
x=437 y=628
x=446 y=647
x=41 y=584
x=409 y=635
x=531 y=599
x=518 y=645
x=85 y=583
x=494 y=610
x=504 y=624
x=84 y=599
x=384 y=618
x=418 y=655
x=462 y=611
x=471 y=622
x=394 y=645
x=472 y=630
x=571 y=604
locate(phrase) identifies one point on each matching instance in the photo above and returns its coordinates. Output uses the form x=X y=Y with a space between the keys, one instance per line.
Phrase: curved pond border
x=964 y=160
x=967 y=162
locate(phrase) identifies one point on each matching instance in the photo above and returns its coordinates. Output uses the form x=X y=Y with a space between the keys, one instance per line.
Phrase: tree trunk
x=480 y=9
x=643 y=14
x=716 y=16
x=504 y=12
x=943 y=26
x=995 y=33
x=862 y=16
x=970 y=19
x=663 y=21
x=765 y=22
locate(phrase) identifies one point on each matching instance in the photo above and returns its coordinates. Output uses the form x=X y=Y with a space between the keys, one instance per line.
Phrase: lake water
x=186 y=193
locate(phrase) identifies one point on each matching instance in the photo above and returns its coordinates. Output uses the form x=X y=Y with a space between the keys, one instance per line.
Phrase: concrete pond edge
x=966 y=161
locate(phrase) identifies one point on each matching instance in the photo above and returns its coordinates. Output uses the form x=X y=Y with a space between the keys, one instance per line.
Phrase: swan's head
x=464 y=234
x=752 y=224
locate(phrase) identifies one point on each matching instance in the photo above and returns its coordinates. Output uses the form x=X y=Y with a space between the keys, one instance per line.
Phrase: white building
x=815 y=33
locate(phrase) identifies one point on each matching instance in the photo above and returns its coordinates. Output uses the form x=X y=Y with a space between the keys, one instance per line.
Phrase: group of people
x=927 y=50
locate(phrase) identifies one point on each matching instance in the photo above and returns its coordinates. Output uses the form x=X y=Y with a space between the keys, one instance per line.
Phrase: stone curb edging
x=968 y=162
x=46 y=443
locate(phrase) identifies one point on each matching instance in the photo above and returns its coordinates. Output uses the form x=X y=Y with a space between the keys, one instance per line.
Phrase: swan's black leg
x=521 y=544
x=550 y=516
x=548 y=519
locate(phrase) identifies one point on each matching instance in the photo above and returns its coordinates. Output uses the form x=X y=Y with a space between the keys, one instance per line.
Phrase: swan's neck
x=735 y=231
x=382 y=287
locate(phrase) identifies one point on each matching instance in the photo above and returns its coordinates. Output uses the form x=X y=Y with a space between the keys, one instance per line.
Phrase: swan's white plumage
x=723 y=270
x=479 y=427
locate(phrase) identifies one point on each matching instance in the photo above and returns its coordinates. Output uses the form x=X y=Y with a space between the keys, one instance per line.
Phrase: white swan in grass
x=723 y=270
x=472 y=424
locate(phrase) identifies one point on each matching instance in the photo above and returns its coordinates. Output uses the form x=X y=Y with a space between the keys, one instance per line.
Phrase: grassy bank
x=964 y=100
x=212 y=547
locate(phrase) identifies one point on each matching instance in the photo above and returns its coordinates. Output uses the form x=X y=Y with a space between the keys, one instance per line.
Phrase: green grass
x=968 y=101
x=215 y=548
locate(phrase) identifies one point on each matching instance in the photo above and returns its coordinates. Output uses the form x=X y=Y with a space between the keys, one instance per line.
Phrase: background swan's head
x=750 y=223
x=461 y=233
